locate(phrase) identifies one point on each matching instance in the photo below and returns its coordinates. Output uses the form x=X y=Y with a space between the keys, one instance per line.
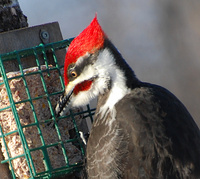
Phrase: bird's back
x=164 y=139
x=152 y=137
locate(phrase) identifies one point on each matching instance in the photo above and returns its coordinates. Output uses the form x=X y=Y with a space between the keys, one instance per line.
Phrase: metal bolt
x=44 y=36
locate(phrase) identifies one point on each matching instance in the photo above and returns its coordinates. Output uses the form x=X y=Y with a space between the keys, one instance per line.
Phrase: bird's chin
x=80 y=100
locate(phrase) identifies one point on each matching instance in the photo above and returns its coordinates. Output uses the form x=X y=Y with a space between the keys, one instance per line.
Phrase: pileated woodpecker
x=141 y=130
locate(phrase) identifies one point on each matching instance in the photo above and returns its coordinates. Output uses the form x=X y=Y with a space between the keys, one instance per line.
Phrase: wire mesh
x=36 y=125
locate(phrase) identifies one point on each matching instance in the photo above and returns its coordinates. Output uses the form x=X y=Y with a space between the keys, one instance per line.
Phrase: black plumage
x=153 y=136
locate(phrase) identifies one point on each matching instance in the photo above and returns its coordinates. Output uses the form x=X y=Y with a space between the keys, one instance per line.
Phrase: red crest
x=89 y=40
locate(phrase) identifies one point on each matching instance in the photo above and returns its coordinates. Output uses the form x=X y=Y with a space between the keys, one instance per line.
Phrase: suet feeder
x=33 y=131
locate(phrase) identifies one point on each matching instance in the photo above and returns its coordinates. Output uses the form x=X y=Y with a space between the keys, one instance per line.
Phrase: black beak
x=62 y=106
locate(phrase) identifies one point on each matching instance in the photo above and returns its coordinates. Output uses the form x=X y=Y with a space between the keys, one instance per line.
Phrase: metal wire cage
x=35 y=127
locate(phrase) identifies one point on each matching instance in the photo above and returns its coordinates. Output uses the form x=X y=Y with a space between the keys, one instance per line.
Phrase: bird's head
x=80 y=73
x=89 y=68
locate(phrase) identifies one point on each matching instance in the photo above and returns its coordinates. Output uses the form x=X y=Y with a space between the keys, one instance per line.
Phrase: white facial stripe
x=80 y=59
x=106 y=65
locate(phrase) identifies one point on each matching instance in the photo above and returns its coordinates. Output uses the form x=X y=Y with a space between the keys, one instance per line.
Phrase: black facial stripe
x=80 y=67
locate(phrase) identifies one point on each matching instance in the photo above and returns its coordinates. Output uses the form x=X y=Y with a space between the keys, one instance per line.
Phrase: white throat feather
x=107 y=69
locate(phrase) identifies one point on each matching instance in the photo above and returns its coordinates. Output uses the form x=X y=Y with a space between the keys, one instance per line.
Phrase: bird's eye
x=74 y=74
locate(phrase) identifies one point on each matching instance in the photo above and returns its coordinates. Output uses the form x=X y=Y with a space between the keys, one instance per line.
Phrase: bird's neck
x=131 y=80
x=110 y=97
x=121 y=80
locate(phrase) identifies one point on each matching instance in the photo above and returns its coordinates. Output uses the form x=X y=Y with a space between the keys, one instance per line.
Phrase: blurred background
x=160 y=39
